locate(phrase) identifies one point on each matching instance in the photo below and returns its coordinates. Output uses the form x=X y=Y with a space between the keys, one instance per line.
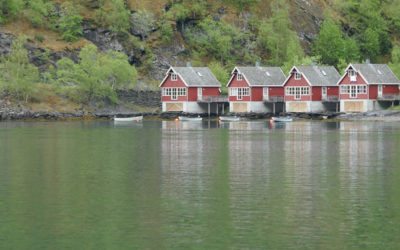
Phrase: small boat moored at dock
x=229 y=118
x=282 y=119
x=190 y=119
x=128 y=119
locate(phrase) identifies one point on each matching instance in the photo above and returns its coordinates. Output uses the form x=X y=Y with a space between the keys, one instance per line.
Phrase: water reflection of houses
x=244 y=125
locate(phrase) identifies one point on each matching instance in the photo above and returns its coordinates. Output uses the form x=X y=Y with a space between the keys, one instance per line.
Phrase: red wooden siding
x=169 y=99
x=333 y=91
x=168 y=83
x=237 y=84
x=346 y=80
x=234 y=83
x=206 y=91
x=373 y=92
x=256 y=94
x=276 y=91
x=316 y=93
x=211 y=91
x=390 y=89
x=359 y=81
x=297 y=83
x=192 y=95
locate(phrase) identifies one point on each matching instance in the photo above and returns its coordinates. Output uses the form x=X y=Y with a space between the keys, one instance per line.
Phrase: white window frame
x=297 y=76
x=199 y=93
x=265 y=93
x=240 y=77
x=353 y=91
x=174 y=93
x=380 y=90
x=174 y=77
x=239 y=92
x=297 y=92
x=352 y=75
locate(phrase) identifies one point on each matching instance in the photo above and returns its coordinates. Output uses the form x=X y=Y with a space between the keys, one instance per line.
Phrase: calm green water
x=171 y=185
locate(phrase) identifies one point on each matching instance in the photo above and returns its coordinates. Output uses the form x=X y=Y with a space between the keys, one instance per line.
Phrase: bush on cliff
x=18 y=76
x=96 y=76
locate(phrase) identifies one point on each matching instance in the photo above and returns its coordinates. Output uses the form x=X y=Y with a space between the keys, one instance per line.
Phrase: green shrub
x=96 y=76
x=70 y=23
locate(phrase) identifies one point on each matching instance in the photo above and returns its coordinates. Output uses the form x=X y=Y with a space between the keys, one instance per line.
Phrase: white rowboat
x=190 y=119
x=282 y=119
x=229 y=118
x=129 y=119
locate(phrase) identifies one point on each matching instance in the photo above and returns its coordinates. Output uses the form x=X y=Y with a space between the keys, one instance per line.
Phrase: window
x=239 y=92
x=353 y=90
x=297 y=92
x=344 y=89
x=297 y=76
x=239 y=77
x=174 y=92
x=174 y=77
x=352 y=74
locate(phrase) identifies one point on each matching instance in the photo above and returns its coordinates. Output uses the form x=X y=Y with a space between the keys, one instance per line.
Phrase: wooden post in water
x=223 y=108
x=273 y=108
x=217 y=108
x=209 y=109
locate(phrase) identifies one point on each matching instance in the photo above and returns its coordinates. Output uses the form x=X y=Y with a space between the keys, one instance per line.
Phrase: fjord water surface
x=184 y=185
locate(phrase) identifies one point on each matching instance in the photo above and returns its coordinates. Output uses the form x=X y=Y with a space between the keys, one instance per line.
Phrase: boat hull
x=129 y=119
x=282 y=119
x=190 y=119
x=229 y=118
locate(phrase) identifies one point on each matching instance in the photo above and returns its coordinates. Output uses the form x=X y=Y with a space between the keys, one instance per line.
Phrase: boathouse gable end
x=184 y=88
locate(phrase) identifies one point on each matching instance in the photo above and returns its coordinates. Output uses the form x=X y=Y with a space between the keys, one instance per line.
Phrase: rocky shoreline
x=13 y=114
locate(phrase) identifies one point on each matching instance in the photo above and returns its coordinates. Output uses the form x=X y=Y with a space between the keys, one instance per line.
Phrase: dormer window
x=239 y=77
x=174 y=77
x=297 y=76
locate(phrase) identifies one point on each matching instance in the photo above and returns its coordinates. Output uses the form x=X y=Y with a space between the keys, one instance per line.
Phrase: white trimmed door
x=199 y=93
x=265 y=93
x=324 y=93
x=380 y=90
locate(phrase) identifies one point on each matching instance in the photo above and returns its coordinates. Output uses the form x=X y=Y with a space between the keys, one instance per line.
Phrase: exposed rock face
x=105 y=40
x=306 y=17
x=142 y=98
x=39 y=57
x=5 y=43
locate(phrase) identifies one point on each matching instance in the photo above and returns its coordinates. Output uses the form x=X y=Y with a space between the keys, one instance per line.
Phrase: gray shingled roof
x=263 y=76
x=376 y=73
x=197 y=76
x=320 y=75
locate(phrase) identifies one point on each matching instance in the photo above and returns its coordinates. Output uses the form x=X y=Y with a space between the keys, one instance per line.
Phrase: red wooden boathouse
x=256 y=89
x=311 y=89
x=368 y=87
x=189 y=89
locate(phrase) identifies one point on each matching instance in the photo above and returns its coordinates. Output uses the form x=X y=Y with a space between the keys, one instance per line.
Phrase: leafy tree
x=10 y=8
x=114 y=15
x=220 y=73
x=97 y=75
x=213 y=38
x=18 y=75
x=166 y=31
x=276 y=36
x=38 y=11
x=395 y=62
x=365 y=22
x=70 y=23
x=331 y=46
